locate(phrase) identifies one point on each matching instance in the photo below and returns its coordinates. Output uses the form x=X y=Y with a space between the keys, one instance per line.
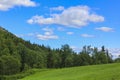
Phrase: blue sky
x=73 y=22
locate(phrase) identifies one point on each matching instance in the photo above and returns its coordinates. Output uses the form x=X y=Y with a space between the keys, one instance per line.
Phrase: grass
x=20 y=75
x=95 y=72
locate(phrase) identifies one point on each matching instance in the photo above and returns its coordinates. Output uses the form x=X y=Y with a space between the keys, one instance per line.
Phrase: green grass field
x=95 y=72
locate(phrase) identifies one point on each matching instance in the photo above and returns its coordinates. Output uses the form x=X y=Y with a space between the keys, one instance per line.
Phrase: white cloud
x=59 y=8
x=40 y=20
x=19 y=35
x=95 y=18
x=24 y=35
x=48 y=34
x=46 y=37
x=7 y=4
x=105 y=29
x=77 y=49
x=70 y=33
x=77 y=16
x=115 y=52
x=87 y=35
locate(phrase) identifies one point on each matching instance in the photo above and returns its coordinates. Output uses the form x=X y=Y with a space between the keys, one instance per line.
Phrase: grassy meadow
x=94 y=72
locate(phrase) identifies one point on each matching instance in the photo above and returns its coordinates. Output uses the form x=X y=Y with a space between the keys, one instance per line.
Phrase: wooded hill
x=17 y=55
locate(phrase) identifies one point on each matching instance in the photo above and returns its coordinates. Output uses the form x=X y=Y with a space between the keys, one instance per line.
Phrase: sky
x=58 y=22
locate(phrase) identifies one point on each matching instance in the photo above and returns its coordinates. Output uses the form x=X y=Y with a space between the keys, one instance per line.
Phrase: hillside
x=18 y=55
x=97 y=72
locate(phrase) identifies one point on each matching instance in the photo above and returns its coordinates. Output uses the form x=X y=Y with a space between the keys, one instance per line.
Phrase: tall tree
x=22 y=51
x=67 y=58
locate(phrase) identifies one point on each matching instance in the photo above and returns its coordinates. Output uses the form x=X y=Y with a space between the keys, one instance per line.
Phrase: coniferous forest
x=18 y=55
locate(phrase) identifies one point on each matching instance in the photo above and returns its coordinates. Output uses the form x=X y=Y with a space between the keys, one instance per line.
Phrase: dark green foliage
x=67 y=56
x=117 y=59
x=9 y=65
x=50 y=59
x=84 y=56
x=17 y=55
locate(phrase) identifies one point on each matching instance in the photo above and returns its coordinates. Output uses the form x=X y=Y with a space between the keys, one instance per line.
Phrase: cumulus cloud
x=87 y=35
x=105 y=29
x=46 y=37
x=19 y=35
x=115 y=52
x=7 y=4
x=40 y=20
x=77 y=49
x=77 y=16
x=48 y=34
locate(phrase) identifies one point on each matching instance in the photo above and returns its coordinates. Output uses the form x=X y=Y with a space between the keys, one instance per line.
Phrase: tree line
x=17 y=55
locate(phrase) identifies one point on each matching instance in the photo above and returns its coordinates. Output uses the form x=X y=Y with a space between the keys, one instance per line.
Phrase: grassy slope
x=96 y=72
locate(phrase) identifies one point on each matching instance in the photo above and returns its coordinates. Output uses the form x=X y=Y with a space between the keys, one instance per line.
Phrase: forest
x=18 y=55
